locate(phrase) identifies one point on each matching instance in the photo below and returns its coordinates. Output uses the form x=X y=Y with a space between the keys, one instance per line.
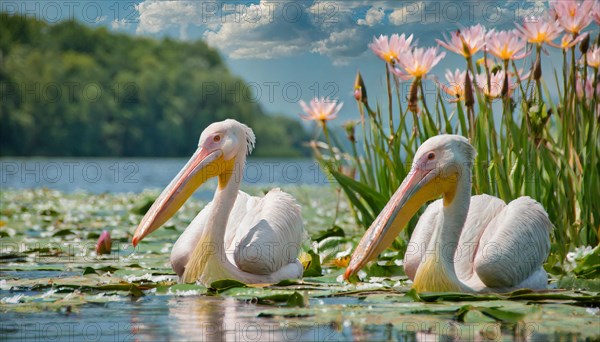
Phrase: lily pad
x=313 y=269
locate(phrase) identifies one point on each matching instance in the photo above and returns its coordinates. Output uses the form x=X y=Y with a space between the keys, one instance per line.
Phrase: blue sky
x=291 y=50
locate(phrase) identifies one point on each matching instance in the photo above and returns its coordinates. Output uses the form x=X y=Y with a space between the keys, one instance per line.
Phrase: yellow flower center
x=541 y=37
x=389 y=56
x=505 y=53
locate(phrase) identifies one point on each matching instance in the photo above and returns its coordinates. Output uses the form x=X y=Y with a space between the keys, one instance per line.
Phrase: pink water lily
x=596 y=13
x=573 y=15
x=568 y=41
x=465 y=42
x=455 y=87
x=540 y=30
x=417 y=62
x=593 y=57
x=506 y=45
x=389 y=49
x=320 y=109
x=496 y=82
x=104 y=243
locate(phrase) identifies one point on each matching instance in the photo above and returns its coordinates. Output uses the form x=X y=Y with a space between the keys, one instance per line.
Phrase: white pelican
x=493 y=247
x=236 y=236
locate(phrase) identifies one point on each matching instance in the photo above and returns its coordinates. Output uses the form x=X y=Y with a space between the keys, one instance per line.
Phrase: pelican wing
x=501 y=246
x=514 y=246
x=263 y=236
x=269 y=235
x=482 y=211
x=188 y=240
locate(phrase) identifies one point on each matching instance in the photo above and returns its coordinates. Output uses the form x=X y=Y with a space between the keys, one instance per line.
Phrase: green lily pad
x=314 y=267
x=181 y=288
x=226 y=284
x=477 y=314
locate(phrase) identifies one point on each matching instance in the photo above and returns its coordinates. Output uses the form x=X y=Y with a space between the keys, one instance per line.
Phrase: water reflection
x=226 y=319
x=207 y=318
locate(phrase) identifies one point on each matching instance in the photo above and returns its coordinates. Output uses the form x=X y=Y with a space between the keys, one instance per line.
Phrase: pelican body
x=236 y=236
x=460 y=243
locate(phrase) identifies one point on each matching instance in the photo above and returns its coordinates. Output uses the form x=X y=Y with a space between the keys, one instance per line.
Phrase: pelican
x=461 y=243
x=236 y=236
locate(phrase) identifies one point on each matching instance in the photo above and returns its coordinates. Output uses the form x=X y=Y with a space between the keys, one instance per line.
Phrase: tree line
x=67 y=89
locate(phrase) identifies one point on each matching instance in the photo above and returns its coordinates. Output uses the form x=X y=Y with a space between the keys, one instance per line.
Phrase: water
x=136 y=174
x=151 y=317
x=162 y=318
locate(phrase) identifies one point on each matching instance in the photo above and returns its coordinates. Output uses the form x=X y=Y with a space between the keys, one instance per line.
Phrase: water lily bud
x=360 y=91
x=348 y=171
x=413 y=97
x=349 y=127
x=537 y=69
x=104 y=243
x=504 y=92
x=585 y=44
x=469 y=100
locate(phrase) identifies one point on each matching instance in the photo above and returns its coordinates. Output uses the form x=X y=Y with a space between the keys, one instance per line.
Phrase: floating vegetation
x=51 y=272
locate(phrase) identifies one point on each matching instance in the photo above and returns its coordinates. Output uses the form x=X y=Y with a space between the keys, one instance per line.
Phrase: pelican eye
x=217 y=138
x=431 y=156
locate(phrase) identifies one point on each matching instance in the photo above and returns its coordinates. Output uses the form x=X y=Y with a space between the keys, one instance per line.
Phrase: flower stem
x=389 y=94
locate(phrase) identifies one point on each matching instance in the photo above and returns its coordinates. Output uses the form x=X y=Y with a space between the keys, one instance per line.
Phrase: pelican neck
x=448 y=233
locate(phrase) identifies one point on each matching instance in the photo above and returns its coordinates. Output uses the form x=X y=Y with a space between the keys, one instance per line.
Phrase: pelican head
x=439 y=165
x=218 y=148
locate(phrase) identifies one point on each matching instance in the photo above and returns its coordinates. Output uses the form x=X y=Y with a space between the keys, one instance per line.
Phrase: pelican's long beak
x=203 y=165
x=416 y=189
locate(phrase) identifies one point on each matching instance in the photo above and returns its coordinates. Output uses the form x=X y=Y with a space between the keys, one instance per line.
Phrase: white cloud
x=373 y=17
x=278 y=28
x=119 y=24
x=266 y=30
x=100 y=19
x=158 y=16
x=343 y=45
x=269 y=28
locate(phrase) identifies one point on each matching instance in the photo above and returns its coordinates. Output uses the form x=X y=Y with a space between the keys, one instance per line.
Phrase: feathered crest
x=250 y=138
x=468 y=150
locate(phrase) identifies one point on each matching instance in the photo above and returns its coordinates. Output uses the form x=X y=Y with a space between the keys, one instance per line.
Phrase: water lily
x=506 y=45
x=596 y=13
x=465 y=42
x=494 y=90
x=593 y=57
x=320 y=109
x=456 y=85
x=417 y=62
x=540 y=30
x=573 y=15
x=578 y=254
x=104 y=243
x=389 y=49
x=568 y=41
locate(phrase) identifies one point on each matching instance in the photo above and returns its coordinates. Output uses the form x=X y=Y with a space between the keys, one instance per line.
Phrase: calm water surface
x=136 y=174
x=182 y=318
x=162 y=318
